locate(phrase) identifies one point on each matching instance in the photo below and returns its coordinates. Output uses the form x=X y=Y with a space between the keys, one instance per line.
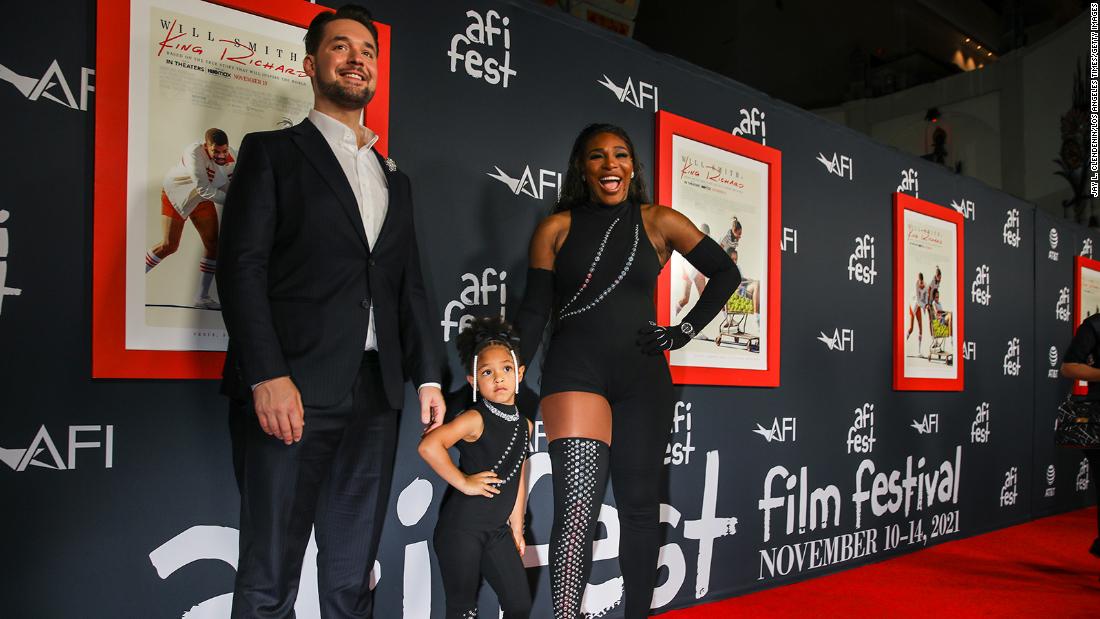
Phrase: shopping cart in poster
x=732 y=329
x=942 y=336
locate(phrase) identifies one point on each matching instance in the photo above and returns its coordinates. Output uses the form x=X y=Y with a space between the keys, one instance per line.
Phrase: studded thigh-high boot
x=579 y=468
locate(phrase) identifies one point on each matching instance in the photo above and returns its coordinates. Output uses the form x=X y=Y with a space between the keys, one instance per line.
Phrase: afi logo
x=1086 y=248
x=752 y=123
x=841 y=165
x=483 y=32
x=979 y=430
x=679 y=448
x=1061 y=310
x=790 y=236
x=861 y=436
x=528 y=183
x=970 y=351
x=1011 y=232
x=1012 y=358
x=783 y=430
x=1082 y=483
x=1008 y=490
x=52 y=86
x=979 y=290
x=5 y=290
x=929 y=425
x=841 y=339
x=964 y=208
x=861 y=264
x=627 y=93
x=1053 y=236
x=909 y=182
x=33 y=455
x=476 y=294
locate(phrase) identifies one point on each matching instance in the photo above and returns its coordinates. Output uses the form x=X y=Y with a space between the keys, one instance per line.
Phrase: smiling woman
x=605 y=374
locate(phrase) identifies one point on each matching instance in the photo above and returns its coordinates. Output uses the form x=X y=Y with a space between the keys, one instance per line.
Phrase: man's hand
x=432 y=407
x=279 y=408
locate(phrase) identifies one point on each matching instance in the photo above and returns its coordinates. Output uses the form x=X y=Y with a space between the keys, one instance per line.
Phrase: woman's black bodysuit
x=472 y=538
x=604 y=278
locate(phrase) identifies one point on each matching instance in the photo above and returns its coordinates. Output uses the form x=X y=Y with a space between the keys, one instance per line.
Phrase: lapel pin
x=390 y=165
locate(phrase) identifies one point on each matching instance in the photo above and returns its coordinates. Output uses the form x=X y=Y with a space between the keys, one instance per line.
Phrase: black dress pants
x=336 y=480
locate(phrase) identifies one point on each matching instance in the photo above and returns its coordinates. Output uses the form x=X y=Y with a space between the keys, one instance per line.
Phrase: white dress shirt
x=368 y=183
x=367 y=180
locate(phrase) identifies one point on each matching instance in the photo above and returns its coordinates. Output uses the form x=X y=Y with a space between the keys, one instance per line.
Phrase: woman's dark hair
x=575 y=190
x=353 y=12
x=482 y=333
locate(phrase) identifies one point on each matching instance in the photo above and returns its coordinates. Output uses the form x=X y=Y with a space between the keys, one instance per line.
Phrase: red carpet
x=1038 y=569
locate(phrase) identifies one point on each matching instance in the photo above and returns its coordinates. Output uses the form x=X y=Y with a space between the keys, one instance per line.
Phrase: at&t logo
x=909 y=182
x=840 y=165
x=5 y=290
x=782 y=430
x=861 y=436
x=979 y=430
x=1011 y=232
x=1086 y=248
x=43 y=453
x=483 y=32
x=964 y=208
x=52 y=86
x=1061 y=310
x=752 y=123
x=628 y=93
x=1082 y=482
x=1008 y=489
x=861 y=264
x=979 y=290
x=1050 y=481
x=529 y=183
x=678 y=450
x=930 y=424
x=1052 y=356
x=1053 y=237
x=843 y=340
x=1011 y=364
x=476 y=294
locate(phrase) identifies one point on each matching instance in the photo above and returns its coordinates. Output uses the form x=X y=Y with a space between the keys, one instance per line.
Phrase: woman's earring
x=631 y=175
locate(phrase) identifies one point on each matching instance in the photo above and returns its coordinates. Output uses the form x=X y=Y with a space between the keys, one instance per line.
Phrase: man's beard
x=344 y=96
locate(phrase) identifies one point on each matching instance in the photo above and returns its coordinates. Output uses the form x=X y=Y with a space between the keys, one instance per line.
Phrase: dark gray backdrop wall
x=141 y=522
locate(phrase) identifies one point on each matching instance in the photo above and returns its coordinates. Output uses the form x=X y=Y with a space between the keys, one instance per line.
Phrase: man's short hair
x=353 y=12
x=216 y=136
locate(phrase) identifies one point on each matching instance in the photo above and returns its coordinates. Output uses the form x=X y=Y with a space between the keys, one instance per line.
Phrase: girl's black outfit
x=603 y=283
x=473 y=538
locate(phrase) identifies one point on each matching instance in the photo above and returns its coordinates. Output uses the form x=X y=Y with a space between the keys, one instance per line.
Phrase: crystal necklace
x=499 y=413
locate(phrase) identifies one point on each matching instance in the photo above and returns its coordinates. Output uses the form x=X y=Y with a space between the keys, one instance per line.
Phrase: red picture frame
x=110 y=357
x=668 y=126
x=902 y=381
x=1080 y=263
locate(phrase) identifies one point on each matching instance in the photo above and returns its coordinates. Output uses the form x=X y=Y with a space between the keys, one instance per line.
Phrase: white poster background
x=929 y=243
x=229 y=69
x=711 y=186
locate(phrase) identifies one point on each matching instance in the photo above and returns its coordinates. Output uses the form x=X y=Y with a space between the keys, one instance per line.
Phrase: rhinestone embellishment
x=562 y=314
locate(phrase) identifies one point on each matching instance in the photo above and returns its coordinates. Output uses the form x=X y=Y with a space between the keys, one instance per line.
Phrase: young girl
x=480 y=528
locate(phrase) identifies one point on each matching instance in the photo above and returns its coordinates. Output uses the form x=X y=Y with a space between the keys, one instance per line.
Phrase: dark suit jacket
x=296 y=275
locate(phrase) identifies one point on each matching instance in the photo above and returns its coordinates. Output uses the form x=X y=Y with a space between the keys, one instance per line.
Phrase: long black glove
x=723 y=278
x=534 y=312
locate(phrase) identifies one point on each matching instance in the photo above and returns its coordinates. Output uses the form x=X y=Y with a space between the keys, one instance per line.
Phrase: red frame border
x=110 y=358
x=904 y=202
x=1079 y=263
x=668 y=125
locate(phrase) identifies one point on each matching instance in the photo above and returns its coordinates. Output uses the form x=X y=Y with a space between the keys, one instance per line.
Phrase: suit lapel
x=320 y=156
x=392 y=201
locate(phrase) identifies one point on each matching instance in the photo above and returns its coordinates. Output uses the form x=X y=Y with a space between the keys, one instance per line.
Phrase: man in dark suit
x=324 y=302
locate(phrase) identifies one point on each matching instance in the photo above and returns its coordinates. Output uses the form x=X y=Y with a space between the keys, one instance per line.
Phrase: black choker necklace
x=499 y=413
